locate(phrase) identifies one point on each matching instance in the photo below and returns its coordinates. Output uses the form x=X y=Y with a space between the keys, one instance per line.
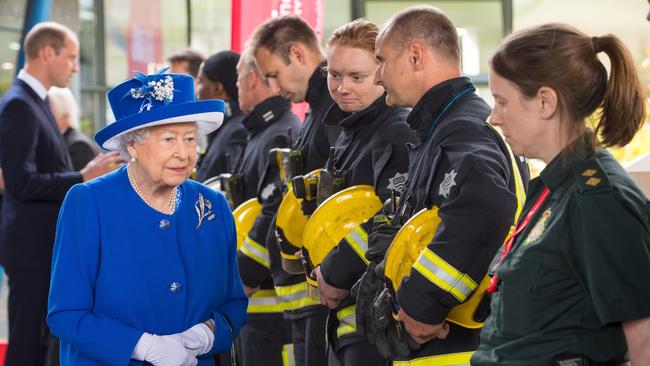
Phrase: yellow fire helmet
x=245 y=215
x=405 y=249
x=290 y=225
x=336 y=217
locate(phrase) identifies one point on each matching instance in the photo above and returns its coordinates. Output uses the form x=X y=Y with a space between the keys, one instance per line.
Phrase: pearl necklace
x=170 y=204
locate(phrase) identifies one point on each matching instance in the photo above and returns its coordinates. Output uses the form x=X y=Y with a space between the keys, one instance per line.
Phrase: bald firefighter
x=461 y=174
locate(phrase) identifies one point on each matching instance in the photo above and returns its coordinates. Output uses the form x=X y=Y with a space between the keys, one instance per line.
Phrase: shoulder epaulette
x=591 y=176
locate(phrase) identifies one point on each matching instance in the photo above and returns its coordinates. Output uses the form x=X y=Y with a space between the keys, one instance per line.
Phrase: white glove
x=163 y=351
x=198 y=340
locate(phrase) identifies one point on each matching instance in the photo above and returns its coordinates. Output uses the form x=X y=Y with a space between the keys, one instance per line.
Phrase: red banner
x=145 y=36
x=248 y=14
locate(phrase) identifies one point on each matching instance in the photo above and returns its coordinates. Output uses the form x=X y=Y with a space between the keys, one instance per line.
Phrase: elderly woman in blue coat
x=144 y=268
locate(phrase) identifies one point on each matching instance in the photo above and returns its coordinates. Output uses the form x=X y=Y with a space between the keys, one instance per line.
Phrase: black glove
x=308 y=207
x=364 y=292
x=379 y=241
x=401 y=342
x=391 y=338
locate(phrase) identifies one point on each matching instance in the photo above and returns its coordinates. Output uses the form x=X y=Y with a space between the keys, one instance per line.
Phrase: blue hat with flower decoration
x=157 y=99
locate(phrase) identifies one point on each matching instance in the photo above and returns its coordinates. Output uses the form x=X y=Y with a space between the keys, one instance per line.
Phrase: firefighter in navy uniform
x=217 y=80
x=463 y=169
x=289 y=56
x=371 y=150
x=271 y=124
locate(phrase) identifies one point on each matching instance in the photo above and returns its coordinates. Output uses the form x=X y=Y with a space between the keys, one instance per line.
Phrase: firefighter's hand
x=422 y=332
x=249 y=291
x=330 y=296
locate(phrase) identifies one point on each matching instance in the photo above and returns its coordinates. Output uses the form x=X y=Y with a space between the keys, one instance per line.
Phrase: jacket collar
x=41 y=102
x=265 y=113
x=33 y=83
x=365 y=116
x=231 y=109
x=317 y=85
x=559 y=169
x=433 y=104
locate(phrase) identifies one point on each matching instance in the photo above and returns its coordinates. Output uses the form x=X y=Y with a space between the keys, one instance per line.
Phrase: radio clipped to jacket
x=232 y=186
x=289 y=162
x=331 y=180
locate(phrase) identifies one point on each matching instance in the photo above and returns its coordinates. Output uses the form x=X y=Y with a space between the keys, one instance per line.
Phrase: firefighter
x=371 y=150
x=217 y=80
x=573 y=288
x=289 y=56
x=271 y=124
x=462 y=170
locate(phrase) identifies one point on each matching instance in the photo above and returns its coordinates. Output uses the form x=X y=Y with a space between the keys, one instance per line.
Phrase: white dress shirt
x=33 y=83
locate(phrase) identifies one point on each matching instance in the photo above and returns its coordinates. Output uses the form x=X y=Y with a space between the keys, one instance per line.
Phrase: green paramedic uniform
x=579 y=268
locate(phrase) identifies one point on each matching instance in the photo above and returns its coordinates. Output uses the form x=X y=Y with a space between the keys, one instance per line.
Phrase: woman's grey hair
x=63 y=103
x=134 y=137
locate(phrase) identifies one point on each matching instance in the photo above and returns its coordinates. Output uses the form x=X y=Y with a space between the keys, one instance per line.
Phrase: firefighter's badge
x=398 y=182
x=447 y=183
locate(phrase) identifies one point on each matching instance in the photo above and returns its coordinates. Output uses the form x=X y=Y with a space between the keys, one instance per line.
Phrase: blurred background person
x=186 y=62
x=66 y=113
x=217 y=79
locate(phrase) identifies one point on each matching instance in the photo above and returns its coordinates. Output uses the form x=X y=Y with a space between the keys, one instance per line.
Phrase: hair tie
x=595 y=41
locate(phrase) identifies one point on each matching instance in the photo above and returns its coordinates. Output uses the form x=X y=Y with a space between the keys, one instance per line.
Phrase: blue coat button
x=164 y=224
x=175 y=287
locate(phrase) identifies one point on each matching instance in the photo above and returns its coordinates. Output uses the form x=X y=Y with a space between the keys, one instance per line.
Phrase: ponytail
x=563 y=58
x=623 y=111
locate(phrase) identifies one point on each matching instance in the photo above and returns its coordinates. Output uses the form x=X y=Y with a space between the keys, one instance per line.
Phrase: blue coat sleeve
x=75 y=265
x=231 y=315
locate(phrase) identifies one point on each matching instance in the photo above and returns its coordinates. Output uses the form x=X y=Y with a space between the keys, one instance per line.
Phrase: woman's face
x=518 y=118
x=350 y=77
x=168 y=154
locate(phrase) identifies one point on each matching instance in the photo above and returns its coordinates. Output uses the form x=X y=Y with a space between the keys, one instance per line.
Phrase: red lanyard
x=492 y=288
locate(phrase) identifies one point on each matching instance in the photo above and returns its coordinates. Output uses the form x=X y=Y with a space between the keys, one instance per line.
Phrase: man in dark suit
x=66 y=113
x=38 y=173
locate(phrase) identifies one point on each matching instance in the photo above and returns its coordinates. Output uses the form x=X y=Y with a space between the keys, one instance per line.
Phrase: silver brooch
x=203 y=209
